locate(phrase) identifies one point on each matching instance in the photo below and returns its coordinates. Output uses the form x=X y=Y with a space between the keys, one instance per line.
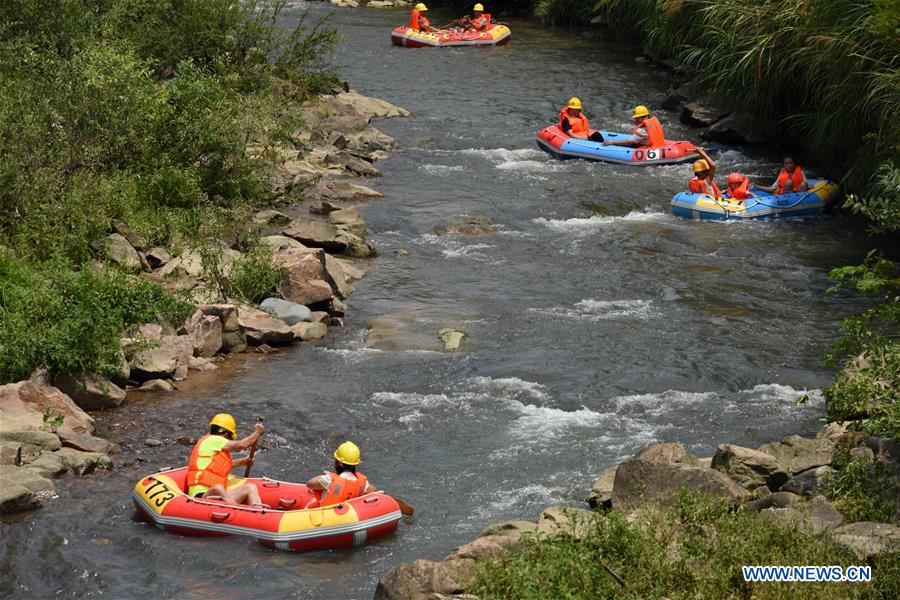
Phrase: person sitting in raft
x=343 y=483
x=575 y=124
x=791 y=179
x=704 y=176
x=478 y=21
x=211 y=463
x=739 y=187
x=647 y=131
x=418 y=21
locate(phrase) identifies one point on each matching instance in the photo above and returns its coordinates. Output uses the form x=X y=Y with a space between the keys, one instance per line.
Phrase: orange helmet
x=735 y=179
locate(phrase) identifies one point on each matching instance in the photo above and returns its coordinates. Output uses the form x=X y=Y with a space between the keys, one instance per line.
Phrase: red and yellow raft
x=161 y=499
x=497 y=35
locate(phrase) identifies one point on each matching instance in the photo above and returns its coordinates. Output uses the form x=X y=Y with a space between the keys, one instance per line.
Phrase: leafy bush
x=564 y=12
x=860 y=490
x=252 y=277
x=68 y=320
x=693 y=550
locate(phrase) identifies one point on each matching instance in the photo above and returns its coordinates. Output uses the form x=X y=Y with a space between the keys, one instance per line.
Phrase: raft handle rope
x=747 y=207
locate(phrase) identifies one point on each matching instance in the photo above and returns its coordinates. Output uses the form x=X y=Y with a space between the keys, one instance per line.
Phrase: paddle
x=405 y=508
x=252 y=452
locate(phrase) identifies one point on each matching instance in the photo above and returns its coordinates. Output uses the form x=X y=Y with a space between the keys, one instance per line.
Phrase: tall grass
x=827 y=70
x=564 y=12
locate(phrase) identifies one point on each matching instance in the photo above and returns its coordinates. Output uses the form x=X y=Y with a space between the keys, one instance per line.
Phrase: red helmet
x=735 y=179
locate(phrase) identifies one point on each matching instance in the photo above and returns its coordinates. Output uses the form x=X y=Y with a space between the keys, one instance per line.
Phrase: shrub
x=66 y=320
x=693 y=550
x=860 y=490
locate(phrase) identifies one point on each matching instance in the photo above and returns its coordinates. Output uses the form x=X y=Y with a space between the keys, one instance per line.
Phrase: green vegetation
x=142 y=111
x=564 y=12
x=693 y=550
x=860 y=490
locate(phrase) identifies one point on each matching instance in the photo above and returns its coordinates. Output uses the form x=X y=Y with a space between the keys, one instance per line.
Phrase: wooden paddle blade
x=405 y=508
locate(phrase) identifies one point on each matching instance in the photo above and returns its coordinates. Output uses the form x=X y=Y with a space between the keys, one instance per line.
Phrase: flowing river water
x=596 y=323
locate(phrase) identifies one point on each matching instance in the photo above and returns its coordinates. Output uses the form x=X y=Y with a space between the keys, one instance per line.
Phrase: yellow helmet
x=421 y=7
x=478 y=8
x=226 y=422
x=640 y=111
x=574 y=103
x=701 y=165
x=347 y=453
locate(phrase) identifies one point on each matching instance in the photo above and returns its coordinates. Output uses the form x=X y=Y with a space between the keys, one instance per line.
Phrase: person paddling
x=210 y=462
x=648 y=131
x=418 y=21
x=344 y=483
x=704 y=176
x=479 y=21
x=791 y=179
x=575 y=124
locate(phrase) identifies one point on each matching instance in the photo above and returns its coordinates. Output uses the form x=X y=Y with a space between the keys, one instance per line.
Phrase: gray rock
x=346 y=191
x=308 y=332
x=749 y=468
x=156 y=385
x=270 y=217
x=862 y=454
x=349 y=219
x=417 y=581
x=206 y=332
x=87 y=443
x=696 y=114
x=809 y=482
x=42 y=440
x=867 y=539
x=49 y=464
x=356 y=246
x=796 y=454
x=565 y=520
x=20 y=489
x=451 y=338
x=198 y=363
x=126 y=232
x=601 y=492
x=91 y=392
x=640 y=482
x=154 y=363
x=152 y=442
x=117 y=249
x=352 y=164
x=189 y=264
x=775 y=499
x=84 y=463
x=336 y=277
x=666 y=452
x=289 y=312
x=158 y=257
x=740 y=128
x=816 y=516
x=263 y=328
x=280 y=242
x=887 y=452
x=316 y=234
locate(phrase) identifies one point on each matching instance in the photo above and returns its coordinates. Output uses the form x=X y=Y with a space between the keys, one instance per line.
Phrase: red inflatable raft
x=497 y=35
x=161 y=500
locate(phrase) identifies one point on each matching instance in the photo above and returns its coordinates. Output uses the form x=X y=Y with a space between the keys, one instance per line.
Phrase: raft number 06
x=651 y=154
x=162 y=495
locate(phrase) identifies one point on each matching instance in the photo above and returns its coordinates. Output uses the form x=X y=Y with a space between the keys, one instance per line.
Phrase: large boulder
x=372 y=108
x=740 y=128
x=641 y=482
x=349 y=219
x=417 y=580
x=158 y=257
x=90 y=392
x=308 y=332
x=20 y=489
x=86 y=443
x=696 y=114
x=188 y=264
x=316 y=234
x=336 y=277
x=303 y=276
x=809 y=482
x=289 y=312
x=280 y=242
x=346 y=191
x=601 y=492
x=206 y=332
x=565 y=520
x=25 y=402
x=233 y=337
x=777 y=500
x=749 y=468
x=667 y=452
x=867 y=539
x=796 y=454
x=158 y=362
x=263 y=328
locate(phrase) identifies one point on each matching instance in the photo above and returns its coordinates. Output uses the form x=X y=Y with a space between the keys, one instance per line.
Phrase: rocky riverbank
x=316 y=248
x=785 y=481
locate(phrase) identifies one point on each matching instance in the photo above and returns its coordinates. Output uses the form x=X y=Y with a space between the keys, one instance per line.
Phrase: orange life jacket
x=342 y=489
x=484 y=18
x=578 y=124
x=215 y=473
x=655 y=134
x=797 y=177
x=741 y=192
x=416 y=18
x=700 y=186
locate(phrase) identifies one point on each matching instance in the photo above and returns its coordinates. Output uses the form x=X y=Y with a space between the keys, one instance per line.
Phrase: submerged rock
x=451 y=338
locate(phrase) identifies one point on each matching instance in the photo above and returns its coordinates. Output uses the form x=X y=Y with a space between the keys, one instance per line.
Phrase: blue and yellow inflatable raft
x=765 y=206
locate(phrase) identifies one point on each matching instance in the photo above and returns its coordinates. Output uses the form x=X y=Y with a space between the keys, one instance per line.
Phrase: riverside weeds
x=695 y=549
x=123 y=110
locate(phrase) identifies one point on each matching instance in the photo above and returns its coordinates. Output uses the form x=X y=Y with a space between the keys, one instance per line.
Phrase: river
x=596 y=323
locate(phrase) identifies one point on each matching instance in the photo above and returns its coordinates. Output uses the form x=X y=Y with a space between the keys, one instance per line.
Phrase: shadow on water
x=595 y=323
